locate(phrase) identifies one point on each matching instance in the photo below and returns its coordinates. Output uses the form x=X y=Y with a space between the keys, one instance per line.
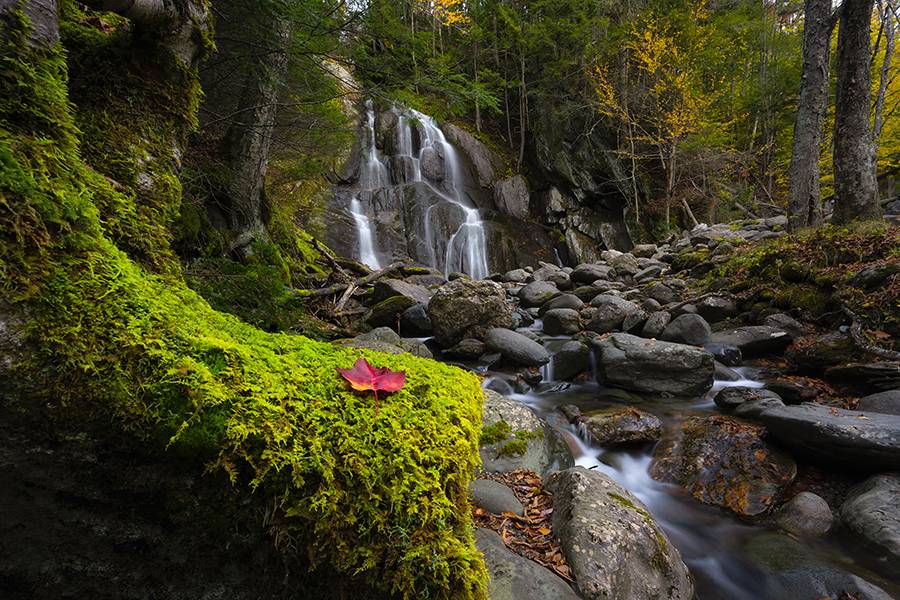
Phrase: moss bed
x=116 y=336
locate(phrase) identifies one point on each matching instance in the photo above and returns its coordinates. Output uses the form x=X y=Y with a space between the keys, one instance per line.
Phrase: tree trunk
x=887 y=26
x=805 y=207
x=855 y=185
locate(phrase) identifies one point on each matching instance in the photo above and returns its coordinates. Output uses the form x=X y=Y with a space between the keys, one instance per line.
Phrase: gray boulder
x=754 y=340
x=836 y=436
x=468 y=308
x=887 y=403
x=687 y=329
x=511 y=197
x=515 y=276
x=570 y=360
x=614 y=548
x=562 y=321
x=746 y=401
x=414 y=321
x=466 y=349
x=652 y=366
x=562 y=301
x=495 y=497
x=716 y=308
x=625 y=265
x=516 y=348
x=485 y=162
x=616 y=426
x=386 y=288
x=662 y=293
x=610 y=312
x=805 y=514
x=514 y=577
x=588 y=273
x=536 y=293
x=656 y=323
x=644 y=250
x=872 y=512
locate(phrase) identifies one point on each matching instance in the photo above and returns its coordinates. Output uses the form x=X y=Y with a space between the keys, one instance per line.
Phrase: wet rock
x=625 y=265
x=387 y=288
x=793 y=391
x=562 y=321
x=871 y=377
x=662 y=293
x=716 y=308
x=887 y=403
x=746 y=401
x=872 y=512
x=687 y=329
x=515 y=276
x=414 y=321
x=786 y=323
x=816 y=353
x=805 y=514
x=634 y=322
x=622 y=426
x=516 y=348
x=495 y=497
x=484 y=161
x=656 y=324
x=466 y=349
x=588 y=273
x=725 y=353
x=511 y=197
x=724 y=373
x=610 y=312
x=432 y=163
x=570 y=360
x=514 y=577
x=857 y=439
x=724 y=462
x=642 y=365
x=614 y=548
x=528 y=443
x=467 y=308
x=537 y=293
x=387 y=313
x=754 y=340
x=562 y=301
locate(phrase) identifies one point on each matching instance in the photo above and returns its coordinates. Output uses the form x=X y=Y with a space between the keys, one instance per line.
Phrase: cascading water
x=367 y=254
x=373 y=175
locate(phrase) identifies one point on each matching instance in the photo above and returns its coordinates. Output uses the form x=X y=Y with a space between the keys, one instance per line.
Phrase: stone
x=725 y=353
x=485 y=162
x=873 y=276
x=588 y=273
x=656 y=323
x=861 y=440
x=614 y=548
x=495 y=497
x=644 y=250
x=414 y=321
x=515 y=276
x=617 y=426
x=886 y=403
x=687 y=329
x=562 y=301
x=466 y=349
x=571 y=359
x=816 y=353
x=648 y=273
x=544 y=450
x=754 y=340
x=511 y=197
x=537 y=293
x=724 y=462
x=872 y=512
x=793 y=391
x=610 y=312
x=387 y=313
x=625 y=265
x=634 y=322
x=432 y=163
x=805 y=514
x=662 y=293
x=516 y=348
x=746 y=401
x=387 y=288
x=514 y=577
x=651 y=366
x=786 y=323
x=561 y=279
x=467 y=308
x=870 y=377
x=724 y=373
x=562 y=321
x=716 y=308
x=545 y=271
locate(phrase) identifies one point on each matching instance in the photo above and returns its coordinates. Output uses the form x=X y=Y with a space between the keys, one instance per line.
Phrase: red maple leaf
x=363 y=377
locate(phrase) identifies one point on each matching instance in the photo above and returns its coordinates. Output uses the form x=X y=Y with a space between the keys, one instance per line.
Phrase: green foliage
x=494 y=433
x=381 y=497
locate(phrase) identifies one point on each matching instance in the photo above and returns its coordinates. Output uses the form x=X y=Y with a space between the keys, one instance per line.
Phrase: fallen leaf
x=364 y=377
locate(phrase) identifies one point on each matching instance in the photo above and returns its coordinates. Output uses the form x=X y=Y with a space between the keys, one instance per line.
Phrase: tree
x=805 y=208
x=855 y=183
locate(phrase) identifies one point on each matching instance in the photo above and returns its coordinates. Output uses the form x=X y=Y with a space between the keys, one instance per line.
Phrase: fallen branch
x=340 y=287
x=862 y=343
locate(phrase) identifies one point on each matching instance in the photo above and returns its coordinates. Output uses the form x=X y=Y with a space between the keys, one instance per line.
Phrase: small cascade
x=373 y=175
x=547 y=370
x=367 y=254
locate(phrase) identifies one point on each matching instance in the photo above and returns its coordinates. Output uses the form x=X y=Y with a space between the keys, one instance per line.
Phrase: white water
x=466 y=250
x=373 y=175
x=367 y=254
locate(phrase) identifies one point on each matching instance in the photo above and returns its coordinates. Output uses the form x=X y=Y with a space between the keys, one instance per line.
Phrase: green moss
x=117 y=337
x=494 y=433
x=514 y=447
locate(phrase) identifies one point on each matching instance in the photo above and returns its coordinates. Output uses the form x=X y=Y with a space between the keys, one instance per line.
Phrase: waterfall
x=466 y=250
x=373 y=175
x=367 y=254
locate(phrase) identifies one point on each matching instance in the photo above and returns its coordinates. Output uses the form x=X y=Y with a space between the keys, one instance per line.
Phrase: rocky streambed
x=695 y=445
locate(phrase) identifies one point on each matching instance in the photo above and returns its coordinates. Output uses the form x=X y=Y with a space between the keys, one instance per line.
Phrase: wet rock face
x=872 y=512
x=614 y=548
x=467 y=308
x=724 y=462
x=511 y=197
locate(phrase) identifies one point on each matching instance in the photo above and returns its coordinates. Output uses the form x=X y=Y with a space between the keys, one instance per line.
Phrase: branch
x=862 y=342
x=142 y=12
x=340 y=287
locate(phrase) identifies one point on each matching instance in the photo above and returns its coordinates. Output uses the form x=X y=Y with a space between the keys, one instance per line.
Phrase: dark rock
x=588 y=273
x=792 y=391
x=687 y=329
x=467 y=308
x=622 y=426
x=562 y=321
x=650 y=305
x=634 y=322
x=882 y=376
x=570 y=360
x=662 y=293
x=724 y=462
x=785 y=323
x=874 y=276
x=614 y=548
x=466 y=349
x=387 y=288
x=716 y=308
x=561 y=279
x=747 y=400
x=387 y=312
x=511 y=197
x=537 y=293
x=588 y=292
x=754 y=340
x=724 y=373
x=514 y=577
x=562 y=301
x=887 y=403
x=610 y=312
x=485 y=163
x=495 y=497
x=872 y=512
x=864 y=441
x=725 y=353
x=625 y=265
x=805 y=514
x=656 y=323
x=648 y=273
x=414 y=321
x=684 y=309
x=816 y=353
x=516 y=348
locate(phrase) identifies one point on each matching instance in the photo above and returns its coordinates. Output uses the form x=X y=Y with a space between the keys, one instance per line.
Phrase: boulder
x=754 y=340
x=785 y=323
x=511 y=197
x=570 y=360
x=466 y=349
x=625 y=265
x=385 y=339
x=537 y=293
x=616 y=426
x=746 y=401
x=867 y=376
x=562 y=301
x=725 y=353
x=818 y=352
x=724 y=462
x=644 y=250
x=614 y=548
x=386 y=288
x=656 y=323
x=467 y=308
x=634 y=322
x=805 y=514
x=872 y=512
x=687 y=329
x=514 y=577
x=724 y=373
x=716 y=308
x=610 y=312
x=562 y=321
x=432 y=163
x=662 y=293
x=485 y=162
x=516 y=348
x=515 y=276
x=886 y=403
x=651 y=366
x=414 y=321
x=561 y=279
x=588 y=273
x=861 y=440
x=495 y=497
x=388 y=312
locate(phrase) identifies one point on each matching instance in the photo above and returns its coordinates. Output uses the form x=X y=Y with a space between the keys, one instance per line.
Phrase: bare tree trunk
x=805 y=206
x=887 y=25
x=523 y=110
x=855 y=185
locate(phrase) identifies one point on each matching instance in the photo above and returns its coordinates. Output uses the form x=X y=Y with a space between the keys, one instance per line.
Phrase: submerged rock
x=622 y=426
x=724 y=462
x=614 y=548
x=468 y=308
x=805 y=514
x=872 y=512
